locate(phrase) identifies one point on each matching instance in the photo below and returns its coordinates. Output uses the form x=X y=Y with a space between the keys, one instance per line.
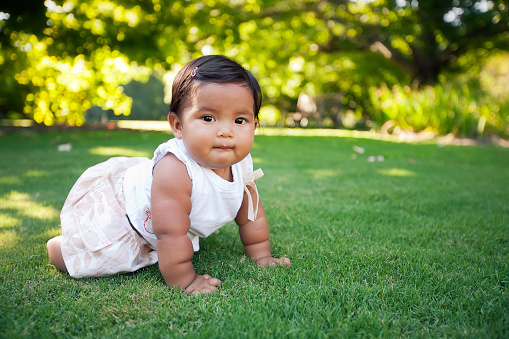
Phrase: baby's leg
x=55 y=253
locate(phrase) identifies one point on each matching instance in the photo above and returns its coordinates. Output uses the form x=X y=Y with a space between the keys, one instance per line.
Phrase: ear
x=175 y=124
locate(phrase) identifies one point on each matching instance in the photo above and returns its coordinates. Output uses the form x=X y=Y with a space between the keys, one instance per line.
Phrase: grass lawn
x=413 y=246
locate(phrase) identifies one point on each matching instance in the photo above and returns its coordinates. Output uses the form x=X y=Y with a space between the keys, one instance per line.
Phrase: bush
x=442 y=109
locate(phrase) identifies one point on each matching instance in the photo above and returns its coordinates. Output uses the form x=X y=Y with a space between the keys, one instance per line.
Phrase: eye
x=208 y=118
x=241 y=121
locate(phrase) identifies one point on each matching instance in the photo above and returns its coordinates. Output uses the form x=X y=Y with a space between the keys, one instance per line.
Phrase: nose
x=225 y=130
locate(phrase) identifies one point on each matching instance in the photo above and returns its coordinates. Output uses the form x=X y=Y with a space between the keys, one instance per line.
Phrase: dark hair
x=211 y=69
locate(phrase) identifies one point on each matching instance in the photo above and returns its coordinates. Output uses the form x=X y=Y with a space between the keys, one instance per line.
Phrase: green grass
x=415 y=246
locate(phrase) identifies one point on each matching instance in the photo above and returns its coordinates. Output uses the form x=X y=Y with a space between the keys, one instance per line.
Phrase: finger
x=191 y=290
x=207 y=290
x=214 y=282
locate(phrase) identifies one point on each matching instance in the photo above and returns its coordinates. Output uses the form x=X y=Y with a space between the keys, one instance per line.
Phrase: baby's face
x=218 y=125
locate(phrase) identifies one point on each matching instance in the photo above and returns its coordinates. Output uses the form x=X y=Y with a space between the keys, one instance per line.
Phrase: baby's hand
x=270 y=261
x=203 y=284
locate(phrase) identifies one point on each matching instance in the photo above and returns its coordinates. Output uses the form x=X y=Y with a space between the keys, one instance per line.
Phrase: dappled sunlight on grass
x=119 y=151
x=51 y=233
x=10 y=180
x=343 y=133
x=257 y=161
x=8 y=239
x=24 y=206
x=144 y=125
x=36 y=174
x=16 y=180
x=323 y=173
x=48 y=234
x=7 y=220
x=310 y=132
x=397 y=172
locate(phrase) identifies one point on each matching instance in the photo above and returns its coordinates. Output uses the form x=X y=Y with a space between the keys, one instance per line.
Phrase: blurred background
x=431 y=66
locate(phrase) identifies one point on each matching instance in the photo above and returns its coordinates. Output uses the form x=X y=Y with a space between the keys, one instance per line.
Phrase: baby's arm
x=171 y=206
x=255 y=235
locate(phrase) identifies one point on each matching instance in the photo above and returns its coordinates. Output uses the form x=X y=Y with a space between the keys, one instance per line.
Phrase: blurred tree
x=62 y=58
x=25 y=17
x=148 y=100
x=423 y=38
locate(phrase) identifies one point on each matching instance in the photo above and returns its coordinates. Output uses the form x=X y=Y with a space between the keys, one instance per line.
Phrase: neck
x=225 y=173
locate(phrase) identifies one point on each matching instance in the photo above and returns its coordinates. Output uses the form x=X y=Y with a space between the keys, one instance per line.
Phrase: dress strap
x=249 y=180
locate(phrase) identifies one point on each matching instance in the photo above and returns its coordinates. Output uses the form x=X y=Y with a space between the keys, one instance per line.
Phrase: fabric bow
x=249 y=180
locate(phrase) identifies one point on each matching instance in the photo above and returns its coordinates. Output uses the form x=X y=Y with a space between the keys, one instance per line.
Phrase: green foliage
x=415 y=246
x=442 y=109
x=147 y=103
x=60 y=59
x=494 y=77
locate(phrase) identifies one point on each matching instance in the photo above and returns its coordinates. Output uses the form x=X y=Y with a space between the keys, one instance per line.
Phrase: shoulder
x=174 y=146
x=171 y=175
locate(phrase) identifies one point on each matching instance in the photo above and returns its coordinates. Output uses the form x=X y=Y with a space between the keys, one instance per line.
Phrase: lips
x=224 y=147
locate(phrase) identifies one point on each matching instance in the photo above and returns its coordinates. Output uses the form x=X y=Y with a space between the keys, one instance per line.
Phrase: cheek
x=197 y=138
x=248 y=141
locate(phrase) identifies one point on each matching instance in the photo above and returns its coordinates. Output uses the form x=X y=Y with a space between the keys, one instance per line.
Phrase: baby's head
x=208 y=69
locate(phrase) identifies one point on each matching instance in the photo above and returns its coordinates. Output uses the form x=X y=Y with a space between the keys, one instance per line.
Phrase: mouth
x=225 y=148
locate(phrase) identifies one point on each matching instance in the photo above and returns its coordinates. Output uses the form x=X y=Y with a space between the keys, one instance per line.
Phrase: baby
x=128 y=213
